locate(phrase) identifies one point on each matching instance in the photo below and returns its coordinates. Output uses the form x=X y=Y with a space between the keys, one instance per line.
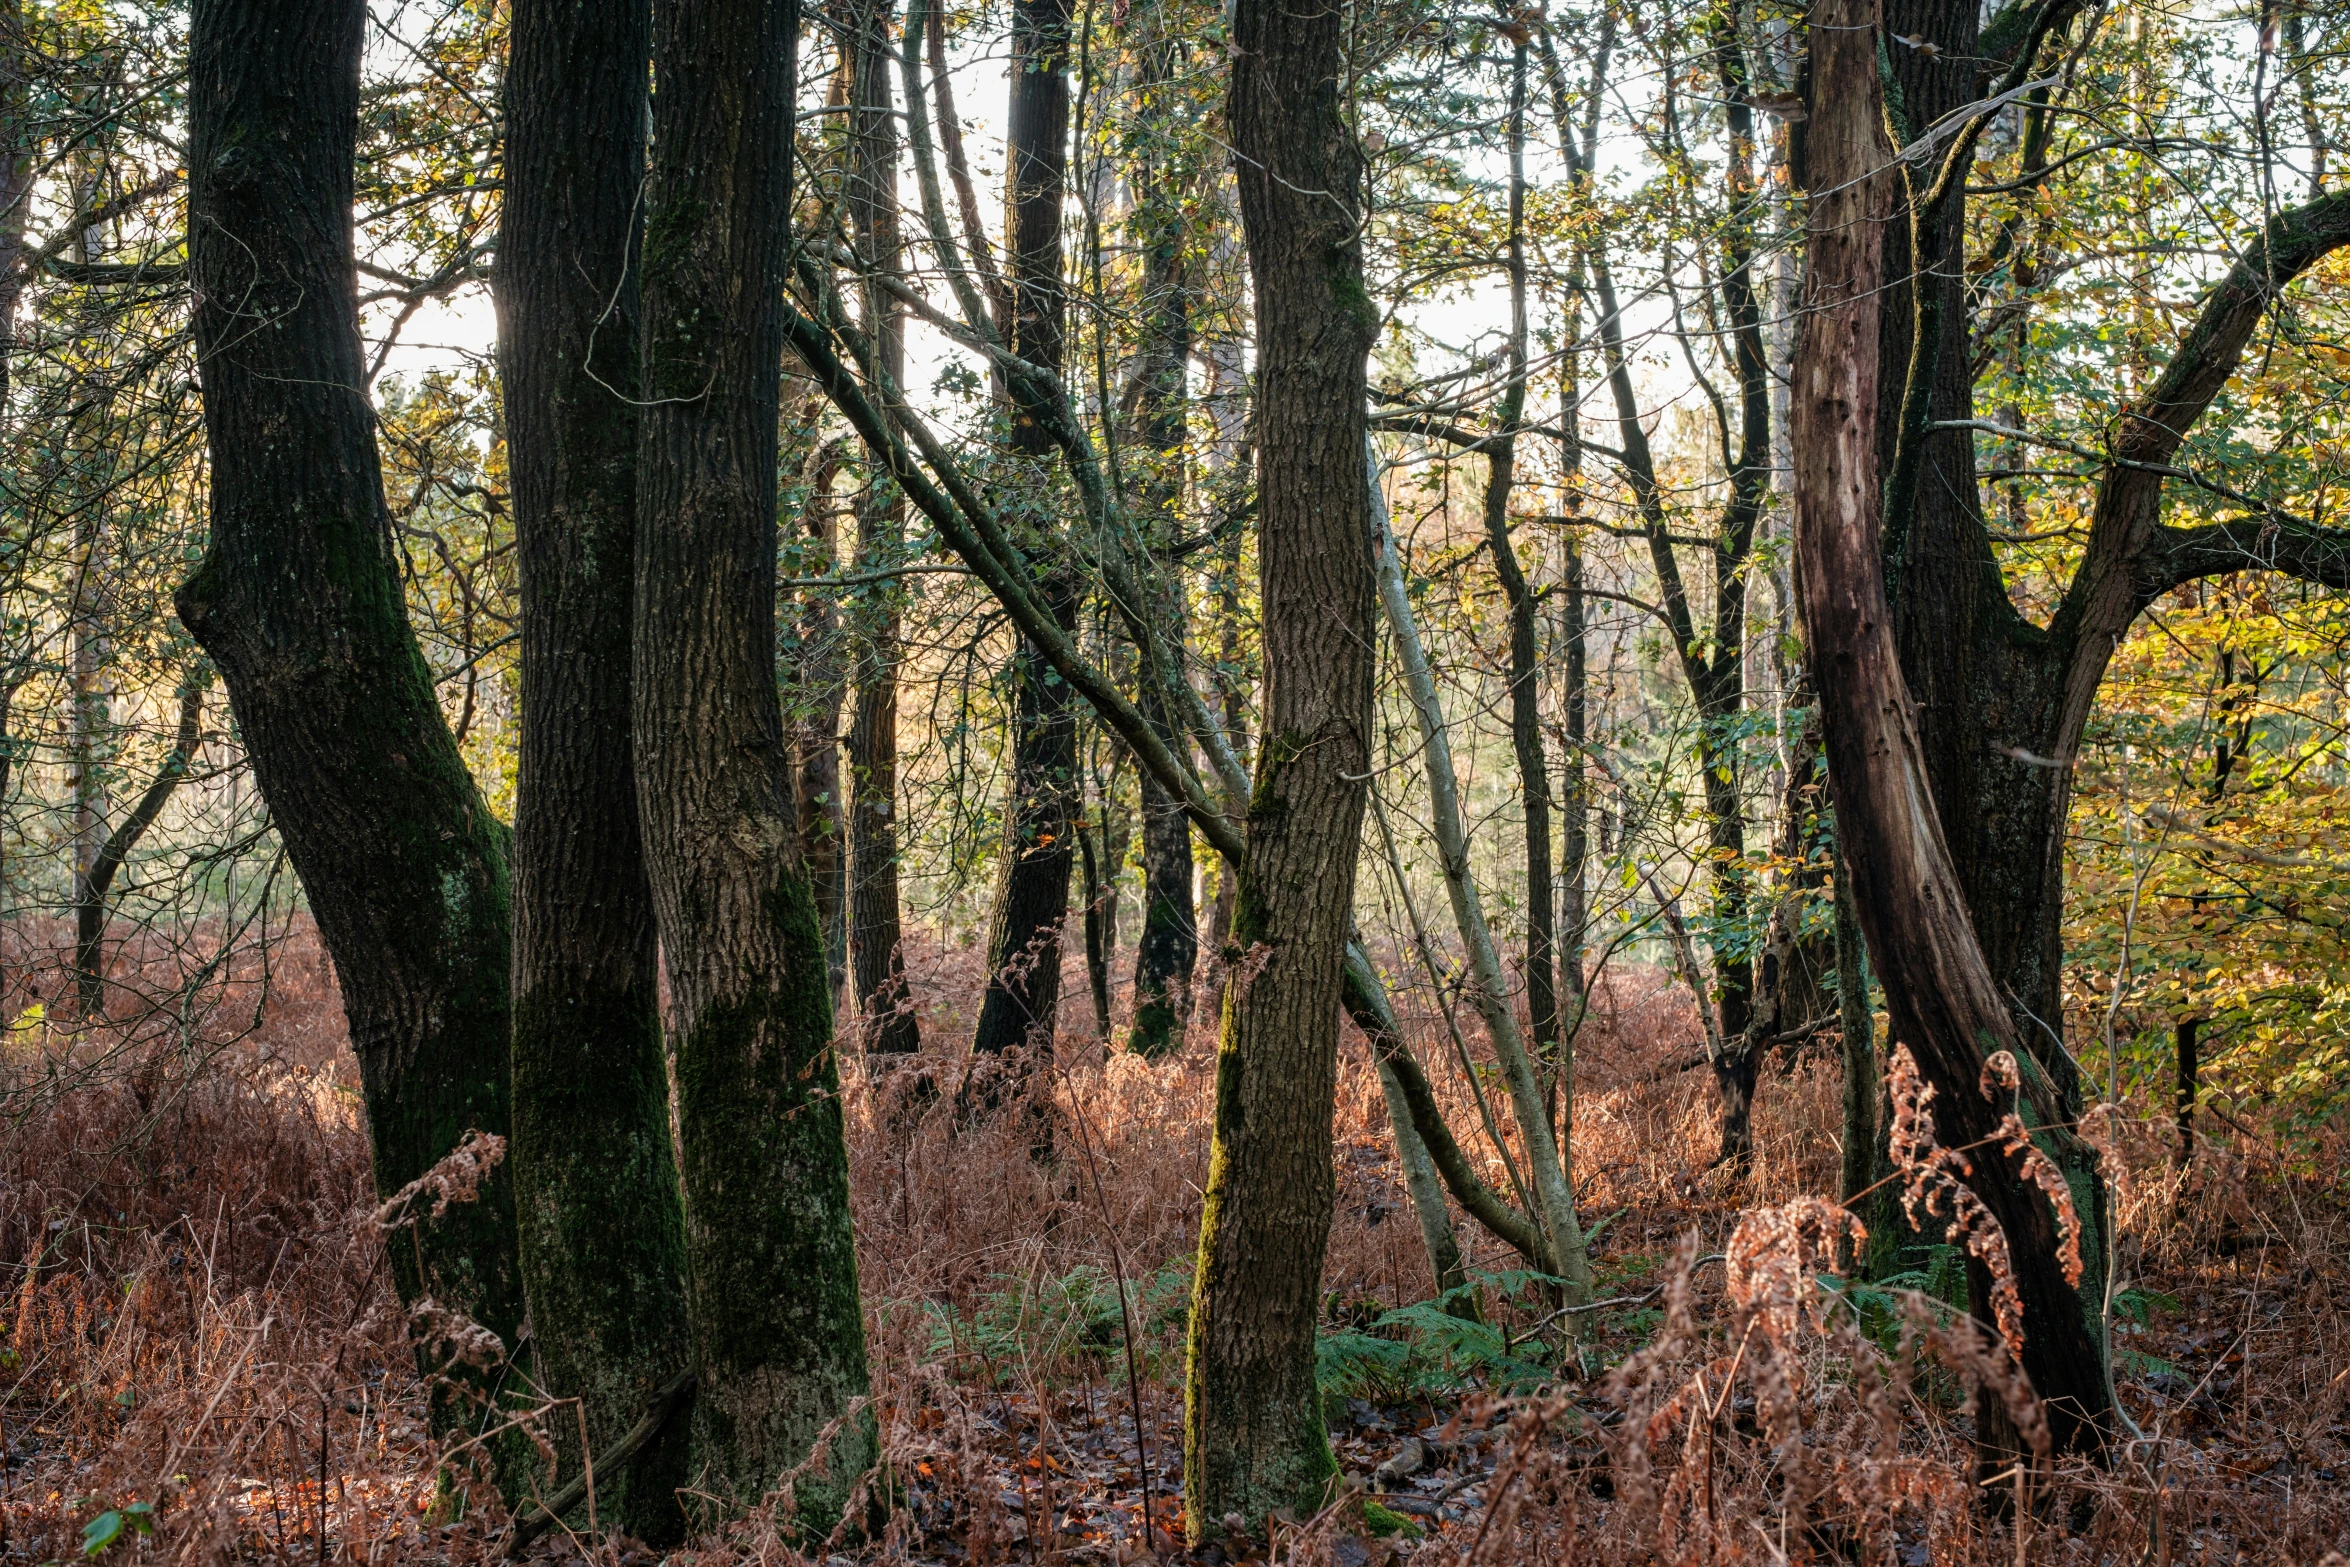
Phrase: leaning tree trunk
x=1940 y=992
x=1253 y=1434
x=886 y=1020
x=298 y=602
x=602 y=1232
x=91 y=912
x=1040 y=811
x=776 y=1327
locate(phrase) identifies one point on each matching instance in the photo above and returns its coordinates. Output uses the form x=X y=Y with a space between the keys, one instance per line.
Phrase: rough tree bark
x=1041 y=808
x=298 y=602
x=1253 y=1434
x=1905 y=890
x=1168 y=949
x=777 y=1332
x=601 y=1230
x=886 y=1020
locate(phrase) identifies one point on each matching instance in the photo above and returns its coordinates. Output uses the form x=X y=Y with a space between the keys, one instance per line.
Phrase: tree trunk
x=1574 y=846
x=1553 y=1183
x=886 y=1021
x=602 y=1233
x=1862 y=1075
x=1040 y=814
x=86 y=762
x=2187 y=1035
x=1501 y=455
x=777 y=1332
x=1940 y=991
x=298 y=602
x=1253 y=1433
x=89 y=950
x=816 y=688
x=1097 y=950
x=1168 y=949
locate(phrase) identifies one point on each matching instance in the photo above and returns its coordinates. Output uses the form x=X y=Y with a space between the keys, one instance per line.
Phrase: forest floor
x=197 y=1337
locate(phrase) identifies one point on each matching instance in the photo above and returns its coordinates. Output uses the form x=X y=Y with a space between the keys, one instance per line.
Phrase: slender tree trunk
x=89 y=950
x=776 y=1326
x=1168 y=949
x=886 y=1020
x=1253 y=1433
x=16 y=184
x=1040 y=815
x=16 y=177
x=1097 y=950
x=1574 y=845
x=2187 y=1036
x=86 y=761
x=1541 y=969
x=1862 y=1076
x=602 y=1232
x=1553 y=1183
x=1233 y=710
x=816 y=679
x=299 y=604
x=1940 y=992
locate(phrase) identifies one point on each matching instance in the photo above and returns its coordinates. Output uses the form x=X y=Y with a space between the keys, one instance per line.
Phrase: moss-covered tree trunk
x=602 y=1230
x=1253 y=1434
x=1041 y=807
x=777 y=1332
x=298 y=602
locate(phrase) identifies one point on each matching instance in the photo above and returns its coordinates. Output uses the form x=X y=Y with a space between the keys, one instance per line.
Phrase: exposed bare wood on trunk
x=1938 y=988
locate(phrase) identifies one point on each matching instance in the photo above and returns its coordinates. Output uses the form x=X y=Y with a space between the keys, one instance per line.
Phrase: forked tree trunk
x=1253 y=1434
x=1905 y=889
x=886 y=1021
x=298 y=602
x=776 y=1327
x=602 y=1232
x=1040 y=812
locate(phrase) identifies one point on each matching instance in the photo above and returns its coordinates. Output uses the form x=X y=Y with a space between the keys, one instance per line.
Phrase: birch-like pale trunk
x=1554 y=1193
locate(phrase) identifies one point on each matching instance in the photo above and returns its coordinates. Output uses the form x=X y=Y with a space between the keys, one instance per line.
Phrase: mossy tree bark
x=601 y=1227
x=1041 y=809
x=886 y=1020
x=298 y=602
x=776 y=1327
x=1253 y=1434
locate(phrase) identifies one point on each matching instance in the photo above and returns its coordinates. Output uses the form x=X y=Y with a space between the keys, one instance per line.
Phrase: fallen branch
x=664 y=1408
